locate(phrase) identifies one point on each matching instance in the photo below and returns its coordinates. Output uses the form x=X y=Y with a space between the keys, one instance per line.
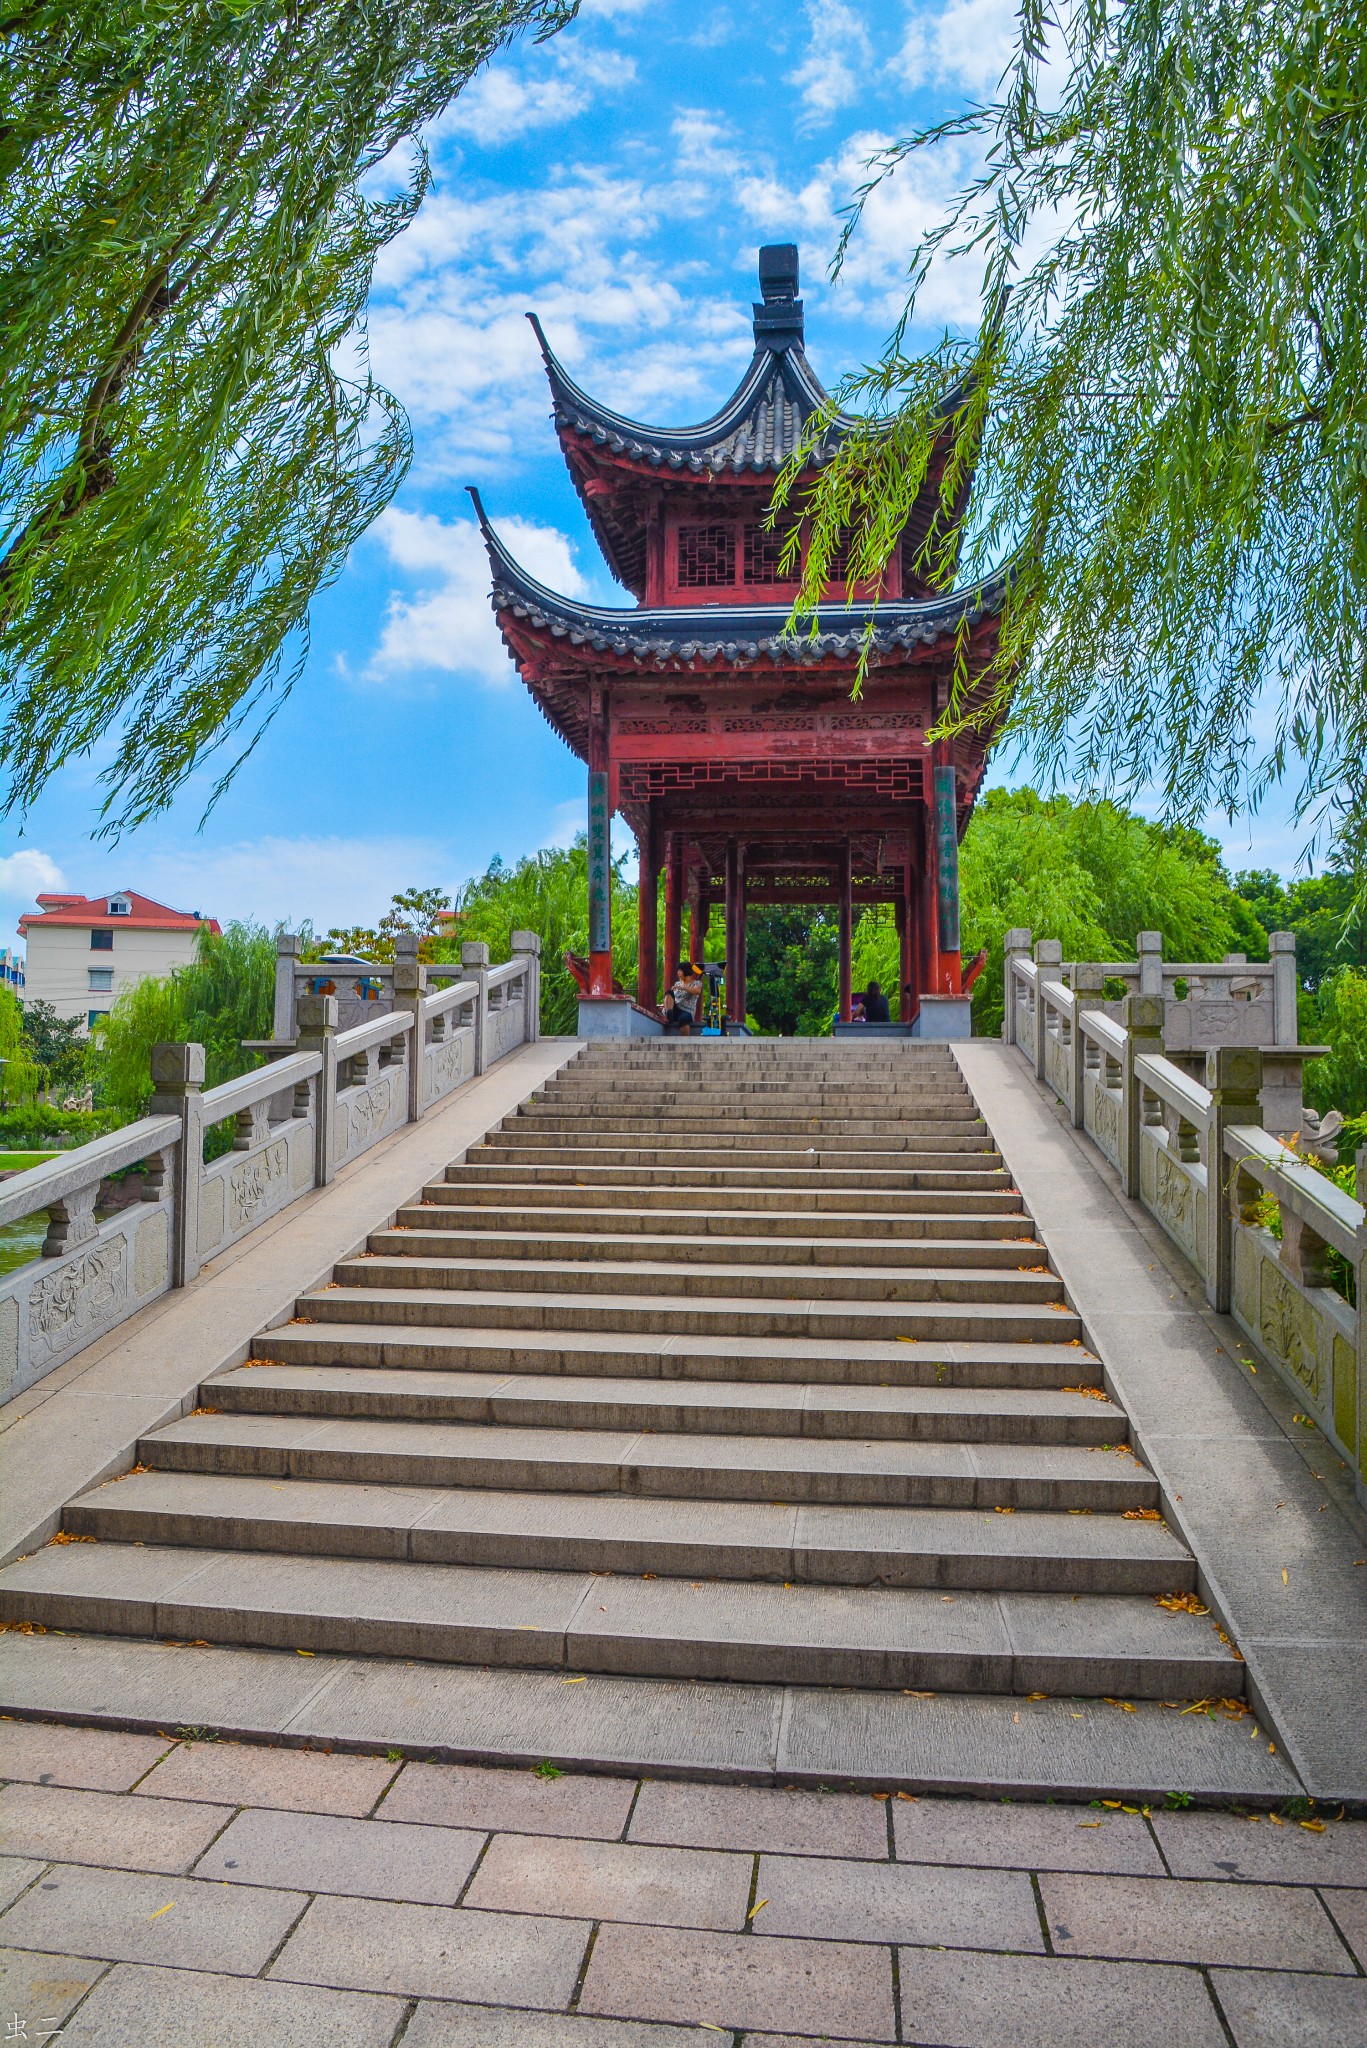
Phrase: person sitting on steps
x=681 y=1004
x=876 y=1009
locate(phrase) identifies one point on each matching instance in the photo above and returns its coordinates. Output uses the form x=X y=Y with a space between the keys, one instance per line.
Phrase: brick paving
x=200 y=1894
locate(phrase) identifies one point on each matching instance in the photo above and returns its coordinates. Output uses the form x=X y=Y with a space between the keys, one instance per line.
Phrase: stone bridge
x=895 y=1417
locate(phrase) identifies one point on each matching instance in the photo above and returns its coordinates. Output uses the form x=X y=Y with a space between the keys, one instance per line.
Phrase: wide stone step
x=702 y=1406
x=599 y=1187
x=678 y=1465
x=947 y=1548
x=787 y=1360
x=919 y=1322
x=882 y=1637
x=998 y=1745
x=443 y=1209
x=418 y=1235
x=614 y=1123
x=763 y=1166
x=884 y=1146
x=578 y=1104
x=415 y=1266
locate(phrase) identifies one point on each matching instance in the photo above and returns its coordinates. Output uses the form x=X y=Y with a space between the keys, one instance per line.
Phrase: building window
x=94 y=1018
x=707 y=557
x=764 y=552
x=101 y=977
x=119 y=906
x=102 y=942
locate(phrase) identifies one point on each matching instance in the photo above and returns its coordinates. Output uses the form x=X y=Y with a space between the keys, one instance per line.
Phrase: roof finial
x=778 y=318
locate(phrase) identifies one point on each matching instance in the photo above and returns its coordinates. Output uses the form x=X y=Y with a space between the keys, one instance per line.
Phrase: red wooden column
x=846 y=881
x=927 y=945
x=911 y=993
x=600 y=845
x=742 y=926
x=647 y=896
x=945 y=827
x=674 y=883
x=699 y=917
x=734 y=940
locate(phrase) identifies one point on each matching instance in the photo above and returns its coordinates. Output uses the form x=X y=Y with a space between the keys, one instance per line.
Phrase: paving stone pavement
x=164 y=1893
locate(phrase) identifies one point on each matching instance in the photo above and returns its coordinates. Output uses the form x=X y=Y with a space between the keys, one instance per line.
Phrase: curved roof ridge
x=730 y=622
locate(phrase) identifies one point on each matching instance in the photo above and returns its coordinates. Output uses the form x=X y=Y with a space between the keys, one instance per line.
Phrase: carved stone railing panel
x=294 y=1121
x=94 y=1270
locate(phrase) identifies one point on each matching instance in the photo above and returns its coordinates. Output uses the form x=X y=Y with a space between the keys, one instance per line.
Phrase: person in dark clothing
x=876 y=1009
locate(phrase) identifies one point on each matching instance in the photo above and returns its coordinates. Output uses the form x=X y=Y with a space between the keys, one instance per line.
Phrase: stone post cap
x=1049 y=953
x=1234 y=1072
x=410 y=976
x=1282 y=942
x=526 y=942
x=1143 y=1015
x=1018 y=939
x=1148 y=942
x=286 y=943
x=317 y=1016
x=176 y=1067
x=474 y=953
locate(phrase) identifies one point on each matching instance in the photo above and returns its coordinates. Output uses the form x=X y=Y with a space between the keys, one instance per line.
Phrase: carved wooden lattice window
x=707 y=557
x=764 y=552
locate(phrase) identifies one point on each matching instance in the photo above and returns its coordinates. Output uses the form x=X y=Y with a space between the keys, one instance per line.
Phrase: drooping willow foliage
x=190 y=438
x=1168 y=408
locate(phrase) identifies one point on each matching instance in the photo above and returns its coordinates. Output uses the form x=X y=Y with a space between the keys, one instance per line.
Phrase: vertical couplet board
x=947 y=859
x=600 y=864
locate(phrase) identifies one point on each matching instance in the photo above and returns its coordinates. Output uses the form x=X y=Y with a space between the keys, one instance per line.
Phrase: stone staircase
x=732 y=1361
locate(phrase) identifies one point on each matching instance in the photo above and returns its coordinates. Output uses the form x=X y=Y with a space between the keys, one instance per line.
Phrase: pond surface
x=22 y=1241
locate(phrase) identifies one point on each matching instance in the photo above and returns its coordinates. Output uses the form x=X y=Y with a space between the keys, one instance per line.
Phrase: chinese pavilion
x=733 y=748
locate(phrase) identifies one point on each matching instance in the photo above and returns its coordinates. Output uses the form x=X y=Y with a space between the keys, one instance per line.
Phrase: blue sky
x=618 y=180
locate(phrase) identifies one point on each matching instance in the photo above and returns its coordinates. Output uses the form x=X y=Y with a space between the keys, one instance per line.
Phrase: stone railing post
x=1143 y=1020
x=1086 y=982
x=318 y=1033
x=1149 y=951
x=410 y=986
x=1285 y=988
x=474 y=960
x=1234 y=1075
x=286 y=963
x=1360 y=1166
x=1048 y=957
x=528 y=944
x=177 y=1084
x=1015 y=946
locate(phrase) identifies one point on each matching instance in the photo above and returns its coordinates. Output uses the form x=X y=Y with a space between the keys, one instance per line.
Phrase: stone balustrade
x=1202 y=1004
x=1198 y=1155
x=322 y=1099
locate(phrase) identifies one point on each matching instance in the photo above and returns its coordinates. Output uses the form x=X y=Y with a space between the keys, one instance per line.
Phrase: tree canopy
x=1166 y=405
x=190 y=435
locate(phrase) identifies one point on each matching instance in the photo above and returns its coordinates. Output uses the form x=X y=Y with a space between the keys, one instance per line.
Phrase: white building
x=85 y=950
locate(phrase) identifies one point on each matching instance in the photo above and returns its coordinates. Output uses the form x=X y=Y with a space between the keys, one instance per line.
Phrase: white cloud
x=545 y=84
x=24 y=873
x=450 y=628
x=838 y=58
x=965 y=43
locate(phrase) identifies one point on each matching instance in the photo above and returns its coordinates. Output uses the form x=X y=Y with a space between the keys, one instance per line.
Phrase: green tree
x=546 y=893
x=1167 y=414
x=225 y=995
x=1340 y=1081
x=11 y=1026
x=57 y=1044
x=190 y=437
x=791 y=974
x=1092 y=876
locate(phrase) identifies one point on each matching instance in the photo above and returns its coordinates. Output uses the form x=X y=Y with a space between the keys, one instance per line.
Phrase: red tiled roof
x=86 y=911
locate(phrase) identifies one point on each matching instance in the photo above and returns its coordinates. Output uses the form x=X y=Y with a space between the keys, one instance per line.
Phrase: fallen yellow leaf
x=1286 y=1576
x=302 y=1653
x=758 y=1907
x=574 y=1681
x=1314 y=1827
x=1091 y=1823
x=160 y=1910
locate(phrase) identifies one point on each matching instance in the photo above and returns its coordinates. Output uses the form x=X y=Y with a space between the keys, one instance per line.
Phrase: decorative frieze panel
x=68 y=1307
x=257 y=1185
